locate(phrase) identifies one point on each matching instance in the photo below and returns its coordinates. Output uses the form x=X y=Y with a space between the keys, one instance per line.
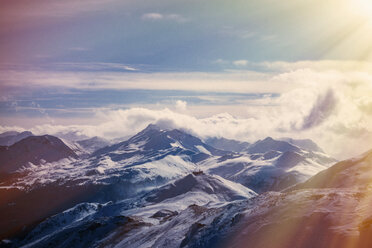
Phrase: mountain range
x=168 y=188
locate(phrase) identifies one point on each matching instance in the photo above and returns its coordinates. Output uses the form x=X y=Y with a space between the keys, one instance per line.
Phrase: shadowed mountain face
x=33 y=149
x=212 y=185
x=11 y=137
x=19 y=207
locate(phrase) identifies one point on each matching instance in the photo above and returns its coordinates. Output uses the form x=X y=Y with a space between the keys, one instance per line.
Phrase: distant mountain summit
x=11 y=137
x=93 y=144
x=265 y=145
x=269 y=144
x=33 y=149
x=227 y=144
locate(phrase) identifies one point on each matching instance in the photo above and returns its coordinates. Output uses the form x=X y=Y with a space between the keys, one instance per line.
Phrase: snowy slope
x=356 y=172
x=179 y=203
x=268 y=165
x=216 y=189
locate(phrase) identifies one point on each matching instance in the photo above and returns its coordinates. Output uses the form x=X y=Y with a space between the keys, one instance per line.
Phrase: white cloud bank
x=331 y=106
x=325 y=117
x=181 y=105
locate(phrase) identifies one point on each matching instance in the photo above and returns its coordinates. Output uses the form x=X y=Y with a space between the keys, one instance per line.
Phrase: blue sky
x=175 y=35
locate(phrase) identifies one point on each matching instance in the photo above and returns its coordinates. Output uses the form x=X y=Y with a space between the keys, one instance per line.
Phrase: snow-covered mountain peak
x=153 y=143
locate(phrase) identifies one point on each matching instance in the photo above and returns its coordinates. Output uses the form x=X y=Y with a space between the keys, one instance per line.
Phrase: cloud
x=365 y=105
x=91 y=66
x=275 y=77
x=236 y=32
x=322 y=109
x=318 y=65
x=89 y=78
x=275 y=117
x=220 y=61
x=152 y=16
x=330 y=106
x=158 y=16
x=181 y=105
x=119 y=123
x=240 y=62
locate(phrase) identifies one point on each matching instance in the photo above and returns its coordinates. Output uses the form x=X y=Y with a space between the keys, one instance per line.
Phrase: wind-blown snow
x=203 y=150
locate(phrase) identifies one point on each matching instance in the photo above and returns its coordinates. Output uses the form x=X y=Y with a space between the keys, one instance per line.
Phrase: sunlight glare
x=365 y=7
